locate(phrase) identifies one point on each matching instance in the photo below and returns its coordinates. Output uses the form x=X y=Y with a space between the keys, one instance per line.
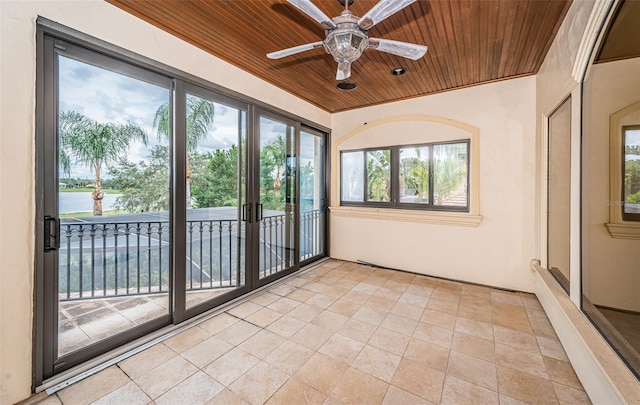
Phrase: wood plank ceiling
x=470 y=42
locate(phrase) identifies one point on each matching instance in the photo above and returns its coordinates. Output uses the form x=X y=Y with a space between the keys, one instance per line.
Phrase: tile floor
x=345 y=333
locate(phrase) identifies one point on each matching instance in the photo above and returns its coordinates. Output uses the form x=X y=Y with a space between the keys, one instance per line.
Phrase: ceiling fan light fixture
x=398 y=71
x=346 y=86
x=346 y=45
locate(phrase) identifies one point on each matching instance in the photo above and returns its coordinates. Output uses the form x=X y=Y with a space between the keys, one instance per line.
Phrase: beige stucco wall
x=17 y=204
x=611 y=276
x=499 y=250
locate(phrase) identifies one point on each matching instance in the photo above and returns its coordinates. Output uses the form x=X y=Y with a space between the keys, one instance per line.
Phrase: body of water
x=70 y=202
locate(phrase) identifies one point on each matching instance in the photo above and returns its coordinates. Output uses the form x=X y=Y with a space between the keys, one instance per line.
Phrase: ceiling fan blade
x=404 y=49
x=344 y=70
x=310 y=9
x=382 y=10
x=294 y=50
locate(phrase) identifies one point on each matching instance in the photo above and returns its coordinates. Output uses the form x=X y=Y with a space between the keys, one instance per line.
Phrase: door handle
x=51 y=233
x=258 y=212
x=246 y=213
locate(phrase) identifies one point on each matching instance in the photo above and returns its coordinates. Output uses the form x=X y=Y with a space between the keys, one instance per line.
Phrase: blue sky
x=105 y=96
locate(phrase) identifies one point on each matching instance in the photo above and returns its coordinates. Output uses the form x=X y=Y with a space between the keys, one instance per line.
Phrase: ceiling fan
x=346 y=35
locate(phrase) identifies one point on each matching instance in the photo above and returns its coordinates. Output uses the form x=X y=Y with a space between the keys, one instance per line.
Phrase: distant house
x=62 y=185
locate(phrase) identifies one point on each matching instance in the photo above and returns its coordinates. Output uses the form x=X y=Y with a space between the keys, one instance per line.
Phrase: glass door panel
x=312 y=195
x=112 y=201
x=215 y=234
x=275 y=210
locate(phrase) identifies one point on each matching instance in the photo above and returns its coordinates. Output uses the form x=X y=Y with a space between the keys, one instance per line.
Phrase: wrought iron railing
x=132 y=258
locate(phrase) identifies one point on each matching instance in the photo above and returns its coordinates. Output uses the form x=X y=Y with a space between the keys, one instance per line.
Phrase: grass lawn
x=88 y=190
x=89 y=214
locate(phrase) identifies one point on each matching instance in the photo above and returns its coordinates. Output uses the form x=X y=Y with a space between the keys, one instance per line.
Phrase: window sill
x=427 y=217
x=626 y=230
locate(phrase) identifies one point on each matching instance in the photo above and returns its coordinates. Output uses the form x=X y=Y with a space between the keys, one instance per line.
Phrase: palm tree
x=200 y=117
x=86 y=141
x=277 y=151
x=378 y=175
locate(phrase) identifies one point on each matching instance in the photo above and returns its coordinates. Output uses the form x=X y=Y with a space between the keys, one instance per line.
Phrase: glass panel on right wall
x=611 y=186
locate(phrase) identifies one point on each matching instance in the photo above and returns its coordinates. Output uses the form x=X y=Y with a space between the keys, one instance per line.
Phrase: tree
x=86 y=141
x=276 y=154
x=200 y=118
x=218 y=185
x=144 y=186
x=378 y=175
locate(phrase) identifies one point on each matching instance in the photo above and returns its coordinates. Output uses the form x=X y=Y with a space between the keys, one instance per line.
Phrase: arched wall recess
x=407 y=130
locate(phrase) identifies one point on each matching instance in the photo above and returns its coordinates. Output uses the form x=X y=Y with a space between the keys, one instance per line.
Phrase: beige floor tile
x=230 y=366
x=377 y=362
x=429 y=354
x=305 y=312
x=460 y=392
x=398 y=396
x=380 y=303
x=357 y=330
x=482 y=302
x=262 y=343
x=433 y=334
x=300 y=295
x=413 y=299
x=407 y=310
x=527 y=362
x=356 y=387
x=561 y=372
x=445 y=296
x=356 y=296
x=185 y=340
x=571 y=396
x=146 y=360
x=418 y=289
x=330 y=321
x=525 y=387
x=316 y=286
x=391 y=341
x=370 y=315
x=94 y=387
x=344 y=307
x=283 y=305
x=473 y=370
x=473 y=346
x=321 y=372
x=321 y=301
x=335 y=291
x=282 y=290
x=227 y=397
x=438 y=318
x=506 y=400
x=450 y=308
x=263 y=317
x=258 y=384
x=551 y=348
x=311 y=336
x=129 y=394
x=514 y=338
x=506 y=298
x=368 y=287
x=399 y=286
x=475 y=313
x=238 y=332
x=400 y=324
x=419 y=380
x=265 y=298
x=207 y=351
x=510 y=316
x=197 y=389
x=165 y=376
x=286 y=326
x=289 y=357
x=470 y=327
x=540 y=324
x=245 y=309
x=391 y=294
x=218 y=323
x=296 y=392
x=530 y=301
x=341 y=348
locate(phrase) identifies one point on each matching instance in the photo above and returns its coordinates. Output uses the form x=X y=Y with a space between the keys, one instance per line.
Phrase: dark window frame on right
x=633 y=194
x=395 y=195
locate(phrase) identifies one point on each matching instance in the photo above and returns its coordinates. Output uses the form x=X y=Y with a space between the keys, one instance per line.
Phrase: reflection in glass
x=379 y=175
x=631 y=184
x=113 y=203
x=352 y=176
x=215 y=248
x=311 y=195
x=414 y=175
x=278 y=167
x=450 y=174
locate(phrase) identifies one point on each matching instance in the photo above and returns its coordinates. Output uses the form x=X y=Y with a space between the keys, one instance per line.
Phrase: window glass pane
x=632 y=170
x=352 y=176
x=450 y=174
x=379 y=175
x=414 y=175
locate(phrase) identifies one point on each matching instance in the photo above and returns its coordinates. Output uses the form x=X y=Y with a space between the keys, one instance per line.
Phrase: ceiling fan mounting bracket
x=342 y=2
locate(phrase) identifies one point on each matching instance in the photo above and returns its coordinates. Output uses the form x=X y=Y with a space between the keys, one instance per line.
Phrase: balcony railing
x=109 y=259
